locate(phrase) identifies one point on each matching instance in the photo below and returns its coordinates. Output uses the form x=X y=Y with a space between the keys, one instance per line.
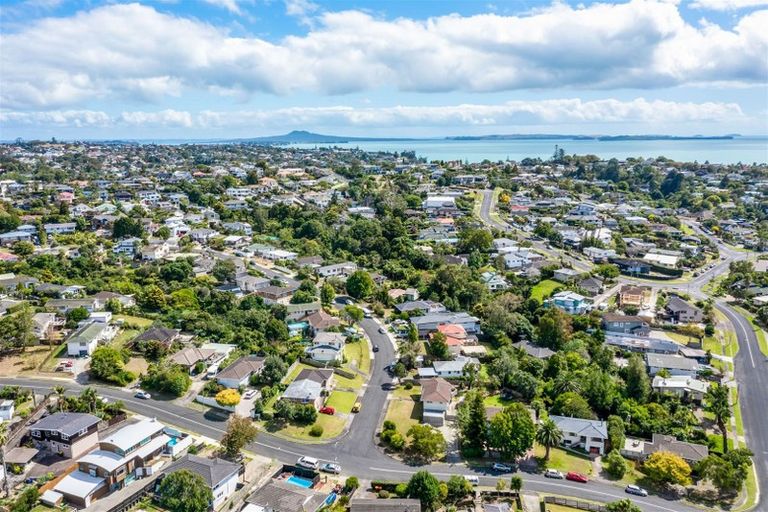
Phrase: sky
x=177 y=69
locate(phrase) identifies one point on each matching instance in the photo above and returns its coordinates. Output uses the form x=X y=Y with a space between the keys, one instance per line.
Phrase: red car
x=576 y=477
x=328 y=410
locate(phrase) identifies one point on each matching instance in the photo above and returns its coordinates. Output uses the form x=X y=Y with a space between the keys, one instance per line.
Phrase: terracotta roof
x=436 y=390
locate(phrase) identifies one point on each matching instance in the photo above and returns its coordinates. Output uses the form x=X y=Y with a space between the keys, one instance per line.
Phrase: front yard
x=358 y=356
x=332 y=427
x=404 y=413
x=544 y=289
x=563 y=460
x=342 y=401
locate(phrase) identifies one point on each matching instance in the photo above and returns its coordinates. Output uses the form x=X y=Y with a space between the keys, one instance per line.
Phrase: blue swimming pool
x=173 y=441
x=301 y=482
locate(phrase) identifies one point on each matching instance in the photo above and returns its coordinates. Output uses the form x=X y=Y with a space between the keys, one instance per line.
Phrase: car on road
x=249 y=394
x=308 y=462
x=473 y=479
x=553 y=473
x=502 y=468
x=327 y=410
x=357 y=407
x=143 y=395
x=389 y=386
x=375 y=348
x=576 y=477
x=382 y=330
x=331 y=468
x=636 y=490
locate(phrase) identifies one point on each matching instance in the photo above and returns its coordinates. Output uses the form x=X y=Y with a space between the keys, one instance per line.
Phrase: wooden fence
x=580 y=505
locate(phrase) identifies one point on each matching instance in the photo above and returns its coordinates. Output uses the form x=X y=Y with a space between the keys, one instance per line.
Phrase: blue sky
x=240 y=68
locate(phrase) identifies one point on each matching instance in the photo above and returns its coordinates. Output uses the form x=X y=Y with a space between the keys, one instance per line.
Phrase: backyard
x=544 y=289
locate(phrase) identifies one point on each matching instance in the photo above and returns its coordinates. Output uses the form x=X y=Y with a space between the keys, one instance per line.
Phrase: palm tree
x=61 y=401
x=548 y=435
x=3 y=442
x=718 y=405
x=88 y=398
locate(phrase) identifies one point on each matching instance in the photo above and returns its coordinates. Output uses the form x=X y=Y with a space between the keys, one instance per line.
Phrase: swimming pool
x=301 y=482
x=173 y=441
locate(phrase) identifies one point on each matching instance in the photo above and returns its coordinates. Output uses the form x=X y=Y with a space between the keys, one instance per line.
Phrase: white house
x=326 y=347
x=85 y=340
x=240 y=372
x=588 y=435
x=493 y=281
x=220 y=476
x=449 y=369
x=337 y=270
x=6 y=410
x=674 y=364
x=127 y=246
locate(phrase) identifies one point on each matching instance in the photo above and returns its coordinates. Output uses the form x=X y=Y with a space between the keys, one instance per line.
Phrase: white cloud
x=133 y=51
x=230 y=5
x=544 y=112
x=726 y=5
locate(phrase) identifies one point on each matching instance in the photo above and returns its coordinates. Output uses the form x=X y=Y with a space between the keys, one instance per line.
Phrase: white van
x=473 y=479
x=308 y=462
x=212 y=371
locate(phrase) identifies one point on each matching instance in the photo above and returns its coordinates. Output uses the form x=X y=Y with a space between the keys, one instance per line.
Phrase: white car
x=331 y=468
x=143 y=395
x=553 y=473
x=308 y=462
x=249 y=394
x=473 y=479
x=636 y=490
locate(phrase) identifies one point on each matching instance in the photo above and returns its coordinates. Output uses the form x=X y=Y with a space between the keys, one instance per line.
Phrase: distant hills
x=305 y=137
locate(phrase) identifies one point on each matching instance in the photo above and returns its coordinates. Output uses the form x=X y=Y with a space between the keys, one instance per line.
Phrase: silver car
x=553 y=473
x=636 y=490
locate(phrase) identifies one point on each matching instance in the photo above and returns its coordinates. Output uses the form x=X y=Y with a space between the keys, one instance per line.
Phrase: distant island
x=590 y=137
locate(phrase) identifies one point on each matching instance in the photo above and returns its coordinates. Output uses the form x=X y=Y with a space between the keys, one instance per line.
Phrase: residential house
x=310 y=387
x=43 y=325
x=60 y=228
x=122 y=457
x=591 y=286
x=282 y=496
x=631 y=266
x=588 y=435
x=429 y=322
x=570 y=302
x=685 y=387
x=390 y=505
x=679 y=311
x=164 y=335
x=633 y=296
x=455 y=335
x=296 y=311
x=399 y=294
x=85 y=340
x=689 y=452
x=565 y=275
x=534 y=350
x=127 y=247
x=327 y=347
x=599 y=255
x=641 y=344
x=239 y=373
x=189 y=357
x=125 y=301
x=69 y=434
x=494 y=281
x=626 y=324
x=436 y=396
x=321 y=321
x=420 y=306
x=64 y=306
x=7 y=408
x=674 y=364
x=248 y=283
x=220 y=476
x=448 y=369
x=343 y=270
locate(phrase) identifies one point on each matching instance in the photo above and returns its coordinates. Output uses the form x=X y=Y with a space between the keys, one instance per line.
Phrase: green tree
x=616 y=434
x=623 y=505
x=26 y=500
x=438 y=346
x=23 y=248
x=426 y=442
x=716 y=402
x=240 y=432
x=274 y=370
x=728 y=472
x=480 y=240
x=549 y=436
x=75 y=316
x=152 y=298
x=185 y=491
x=327 y=294
x=360 y=284
x=555 y=328
x=108 y=364
x=512 y=431
x=458 y=488
x=573 y=405
x=667 y=468
x=353 y=314
x=172 y=379
x=126 y=227
x=224 y=271
x=473 y=426
x=638 y=386
x=424 y=487
x=515 y=483
x=614 y=464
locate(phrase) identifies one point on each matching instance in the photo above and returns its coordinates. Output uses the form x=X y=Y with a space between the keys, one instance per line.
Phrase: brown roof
x=321 y=320
x=688 y=451
x=319 y=375
x=191 y=355
x=242 y=368
x=436 y=390
x=632 y=289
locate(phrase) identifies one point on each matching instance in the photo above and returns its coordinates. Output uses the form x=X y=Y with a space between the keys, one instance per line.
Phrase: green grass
x=407 y=394
x=759 y=332
x=751 y=487
x=134 y=320
x=737 y=412
x=544 y=289
x=124 y=337
x=52 y=360
x=564 y=460
x=332 y=427
x=496 y=401
x=405 y=414
x=359 y=352
x=342 y=401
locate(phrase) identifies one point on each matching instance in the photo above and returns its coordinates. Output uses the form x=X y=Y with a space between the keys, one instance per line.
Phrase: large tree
x=667 y=468
x=424 y=487
x=360 y=284
x=240 y=432
x=473 y=426
x=716 y=402
x=555 y=328
x=512 y=431
x=426 y=443
x=623 y=505
x=548 y=435
x=185 y=491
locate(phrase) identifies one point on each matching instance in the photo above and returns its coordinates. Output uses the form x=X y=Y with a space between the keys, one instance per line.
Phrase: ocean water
x=722 y=151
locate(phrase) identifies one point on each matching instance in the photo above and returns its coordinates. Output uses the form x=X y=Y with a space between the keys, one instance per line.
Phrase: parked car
x=473 y=479
x=553 y=473
x=308 y=462
x=636 y=490
x=327 y=410
x=357 y=407
x=375 y=348
x=331 y=468
x=249 y=394
x=143 y=395
x=576 y=477
x=502 y=468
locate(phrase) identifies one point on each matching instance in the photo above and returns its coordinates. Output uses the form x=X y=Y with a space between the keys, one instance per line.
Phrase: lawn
x=358 y=356
x=341 y=382
x=342 y=401
x=544 y=289
x=332 y=427
x=53 y=359
x=761 y=339
x=564 y=460
x=138 y=321
x=496 y=401
x=404 y=413
x=407 y=394
x=124 y=336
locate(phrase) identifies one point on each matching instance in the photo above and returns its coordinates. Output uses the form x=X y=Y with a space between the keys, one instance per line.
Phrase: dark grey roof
x=213 y=471
x=162 y=334
x=69 y=423
x=377 y=505
x=279 y=496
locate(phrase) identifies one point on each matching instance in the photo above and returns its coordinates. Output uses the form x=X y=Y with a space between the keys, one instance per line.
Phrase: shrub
x=389 y=425
x=614 y=464
x=384 y=494
x=316 y=431
x=211 y=388
x=228 y=397
x=408 y=385
x=401 y=490
x=397 y=441
x=351 y=483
